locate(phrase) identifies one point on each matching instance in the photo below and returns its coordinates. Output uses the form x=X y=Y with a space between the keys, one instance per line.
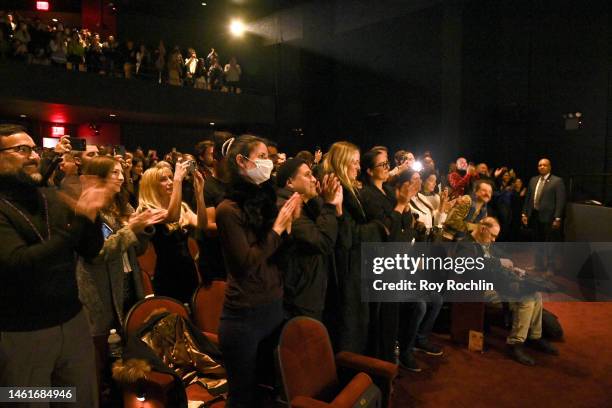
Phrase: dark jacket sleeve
x=242 y=257
x=320 y=236
x=529 y=198
x=17 y=256
x=91 y=239
x=375 y=210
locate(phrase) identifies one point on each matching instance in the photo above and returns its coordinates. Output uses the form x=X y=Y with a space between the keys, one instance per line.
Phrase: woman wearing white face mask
x=250 y=228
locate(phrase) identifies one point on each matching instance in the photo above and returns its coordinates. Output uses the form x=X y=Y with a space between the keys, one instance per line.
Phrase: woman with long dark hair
x=250 y=228
x=110 y=283
x=390 y=206
x=417 y=318
x=135 y=175
x=430 y=205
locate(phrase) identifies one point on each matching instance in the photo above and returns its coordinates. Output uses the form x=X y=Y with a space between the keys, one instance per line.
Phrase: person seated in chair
x=527 y=311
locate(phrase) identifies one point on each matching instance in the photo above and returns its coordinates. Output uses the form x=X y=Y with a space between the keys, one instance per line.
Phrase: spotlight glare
x=237 y=28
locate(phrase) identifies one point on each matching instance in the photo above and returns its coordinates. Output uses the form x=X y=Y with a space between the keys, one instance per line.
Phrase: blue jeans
x=417 y=320
x=243 y=333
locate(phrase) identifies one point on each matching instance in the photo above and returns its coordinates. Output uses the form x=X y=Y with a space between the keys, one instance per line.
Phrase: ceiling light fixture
x=237 y=28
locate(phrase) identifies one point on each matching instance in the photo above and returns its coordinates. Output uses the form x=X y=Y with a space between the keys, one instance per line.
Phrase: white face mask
x=261 y=172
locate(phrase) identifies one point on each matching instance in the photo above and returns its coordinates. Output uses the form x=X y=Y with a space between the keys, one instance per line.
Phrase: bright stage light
x=237 y=28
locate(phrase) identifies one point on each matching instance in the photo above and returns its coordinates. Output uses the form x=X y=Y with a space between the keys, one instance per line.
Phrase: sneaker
x=408 y=362
x=428 y=348
x=543 y=346
x=517 y=352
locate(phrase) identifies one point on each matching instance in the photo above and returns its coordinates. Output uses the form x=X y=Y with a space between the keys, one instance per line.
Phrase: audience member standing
x=232 y=75
x=175 y=272
x=459 y=178
x=160 y=61
x=543 y=211
x=390 y=206
x=215 y=76
x=353 y=318
x=212 y=266
x=431 y=207
x=44 y=332
x=191 y=63
x=250 y=229
x=110 y=283
x=307 y=258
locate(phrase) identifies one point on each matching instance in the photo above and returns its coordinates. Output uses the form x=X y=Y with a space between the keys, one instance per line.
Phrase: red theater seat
x=310 y=375
x=207 y=304
x=153 y=392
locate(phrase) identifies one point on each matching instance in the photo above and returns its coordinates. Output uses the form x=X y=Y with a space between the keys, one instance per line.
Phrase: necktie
x=538 y=193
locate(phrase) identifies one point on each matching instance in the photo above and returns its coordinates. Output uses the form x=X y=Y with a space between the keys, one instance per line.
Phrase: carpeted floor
x=580 y=377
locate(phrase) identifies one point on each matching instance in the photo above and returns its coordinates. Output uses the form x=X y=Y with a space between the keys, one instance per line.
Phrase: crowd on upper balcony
x=79 y=49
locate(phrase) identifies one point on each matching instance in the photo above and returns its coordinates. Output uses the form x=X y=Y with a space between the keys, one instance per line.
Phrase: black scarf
x=20 y=188
x=257 y=203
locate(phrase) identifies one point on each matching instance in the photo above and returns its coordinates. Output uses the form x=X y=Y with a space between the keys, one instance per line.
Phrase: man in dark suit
x=544 y=207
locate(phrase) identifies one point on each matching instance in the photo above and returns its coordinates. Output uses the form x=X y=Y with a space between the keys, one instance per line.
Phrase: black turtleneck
x=244 y=222
x=37 y=279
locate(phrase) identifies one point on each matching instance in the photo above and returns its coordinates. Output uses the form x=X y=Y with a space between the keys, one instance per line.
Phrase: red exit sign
x=57 y=131
x=42 y=5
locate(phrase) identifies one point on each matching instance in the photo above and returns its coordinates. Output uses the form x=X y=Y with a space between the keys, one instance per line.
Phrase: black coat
x=381 y=207
x=307 y=256
x=350 y=332
x=38 y=285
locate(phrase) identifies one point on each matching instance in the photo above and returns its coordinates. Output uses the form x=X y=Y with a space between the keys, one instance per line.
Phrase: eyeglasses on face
x=384 y=165
x=21 y=149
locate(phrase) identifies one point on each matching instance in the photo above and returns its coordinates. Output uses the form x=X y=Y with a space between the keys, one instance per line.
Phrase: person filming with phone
x=161 y=189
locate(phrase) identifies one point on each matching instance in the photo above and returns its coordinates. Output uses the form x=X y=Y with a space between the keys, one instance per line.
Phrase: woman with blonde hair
x=175 y=272
x=342 y=159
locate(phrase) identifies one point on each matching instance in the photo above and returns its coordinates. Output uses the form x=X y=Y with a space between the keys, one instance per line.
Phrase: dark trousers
x=243 y=334
x=417 y=320
x=543 y=232
x=383 y=333
x=59 y=356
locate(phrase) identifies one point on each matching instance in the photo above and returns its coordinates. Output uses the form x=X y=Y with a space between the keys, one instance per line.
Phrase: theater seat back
x=142 y=311
x=147 y=263
x=306 y=360
x=207 y=304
